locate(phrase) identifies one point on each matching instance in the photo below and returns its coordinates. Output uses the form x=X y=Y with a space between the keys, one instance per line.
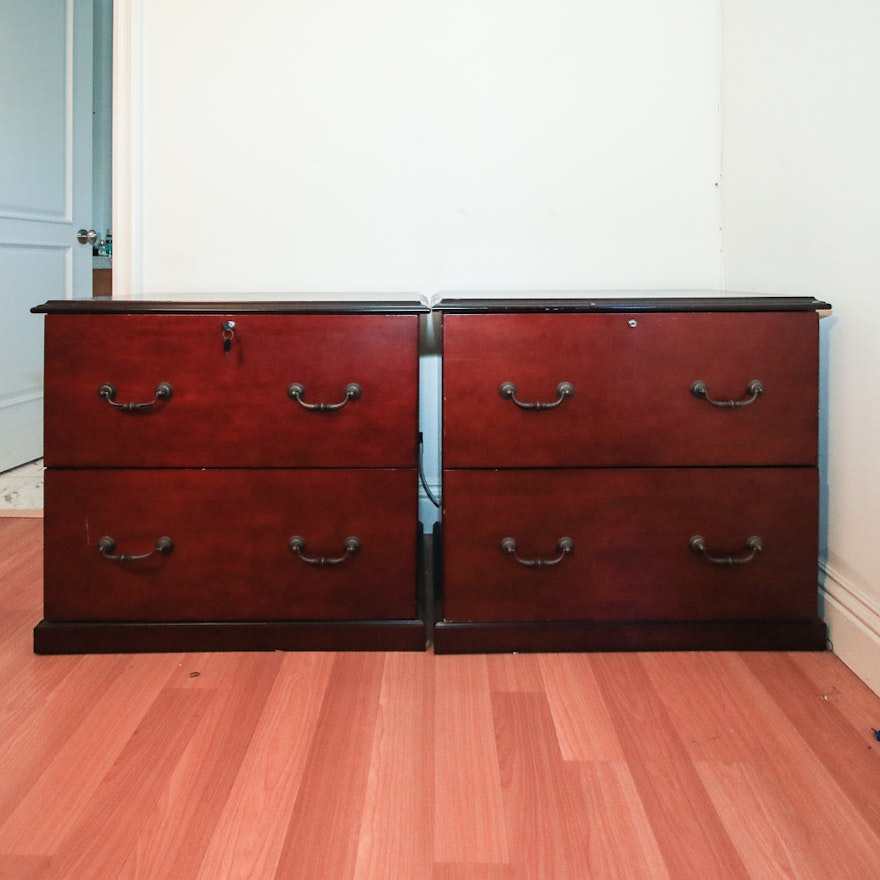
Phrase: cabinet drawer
x=632 y=376
x=632 y=557
x=232 y=407
x=231 y=532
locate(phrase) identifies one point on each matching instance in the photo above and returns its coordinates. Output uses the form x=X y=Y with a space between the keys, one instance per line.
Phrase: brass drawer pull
x=754 y=545
x=297 y=545
x=563 y=389
x=107 y=549
x=164 y=391
x=296 y=392
x=755 y=388
x=564 y=547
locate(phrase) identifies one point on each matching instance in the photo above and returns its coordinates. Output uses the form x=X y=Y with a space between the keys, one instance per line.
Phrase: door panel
x=45 y=195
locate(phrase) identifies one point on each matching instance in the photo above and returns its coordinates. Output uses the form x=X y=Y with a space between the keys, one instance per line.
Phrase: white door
x=45 y=195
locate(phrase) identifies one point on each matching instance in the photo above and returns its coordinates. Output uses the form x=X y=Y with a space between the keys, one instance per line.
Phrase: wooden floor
x=414 y=766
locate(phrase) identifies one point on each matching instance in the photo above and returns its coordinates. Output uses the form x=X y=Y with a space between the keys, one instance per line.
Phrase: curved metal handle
x=755 y=388
x=564 y=547
x=107 y=549
x=297 y=545
x=754 y=545
x=296 y=392
x=563 y=389
x=164 y=391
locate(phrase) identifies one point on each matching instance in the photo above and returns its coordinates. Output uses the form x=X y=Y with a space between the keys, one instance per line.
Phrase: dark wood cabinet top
x=588 y=301
x=105 y=306
x=633 y=301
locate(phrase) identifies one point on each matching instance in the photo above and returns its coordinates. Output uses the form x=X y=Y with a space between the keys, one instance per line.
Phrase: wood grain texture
x=379 y=766
x=543 y=807
x=469 y=804
x=833 y=683
x=826 y=733
x=631 y=559
x=691 y=837
x=109 y=830
x=231 y=408
x=395 y=837
x=173 y=840
x=584 y=726
x=620 y=841
x=322 y=837
x=69 y=780
x=632 y=405
x=210 y=574
x=250 y=833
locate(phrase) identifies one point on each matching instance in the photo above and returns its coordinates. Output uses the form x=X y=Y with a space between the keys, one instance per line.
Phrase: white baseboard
x=853 y=619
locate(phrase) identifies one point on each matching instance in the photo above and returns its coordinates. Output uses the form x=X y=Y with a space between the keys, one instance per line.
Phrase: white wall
x=801 y=185
x=425 y=145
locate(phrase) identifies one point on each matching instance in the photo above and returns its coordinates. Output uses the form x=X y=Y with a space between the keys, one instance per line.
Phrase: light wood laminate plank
x=846 y=755
x=780 y=819
x=583 y=724
x=543 y=800
x=469 y=806
x=66 y=701
x=620 y=841
x=324 y=829
x=456 y=871
x=248 y=838
x=24 y=867
x=689 y=832
x=516 y=673
x=395 y=838
x=836 y=684
x=719 y=711
x=173 y=841
x=60 y=796
x=107 y=831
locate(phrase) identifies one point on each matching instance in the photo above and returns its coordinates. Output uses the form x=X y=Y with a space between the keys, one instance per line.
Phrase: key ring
x=228 y=332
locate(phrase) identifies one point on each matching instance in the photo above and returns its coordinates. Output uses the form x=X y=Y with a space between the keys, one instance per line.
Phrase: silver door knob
x=87 y=236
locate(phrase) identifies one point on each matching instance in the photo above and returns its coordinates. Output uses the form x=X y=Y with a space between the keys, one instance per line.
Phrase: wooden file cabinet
x=220 y=487
x=630 y=474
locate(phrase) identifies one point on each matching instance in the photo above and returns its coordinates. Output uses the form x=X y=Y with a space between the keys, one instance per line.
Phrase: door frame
x=127 y=189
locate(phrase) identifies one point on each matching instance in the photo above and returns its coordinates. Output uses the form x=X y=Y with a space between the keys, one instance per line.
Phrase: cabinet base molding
x=129 y=638
x=561 y=636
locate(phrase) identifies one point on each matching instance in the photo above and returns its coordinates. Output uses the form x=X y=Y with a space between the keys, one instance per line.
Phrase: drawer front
x=232 y=407
x=231 y=558
x=632 y=402
x=632 y=557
